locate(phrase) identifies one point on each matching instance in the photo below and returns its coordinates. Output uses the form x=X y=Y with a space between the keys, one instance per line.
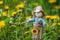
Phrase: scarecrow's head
x=38 y=12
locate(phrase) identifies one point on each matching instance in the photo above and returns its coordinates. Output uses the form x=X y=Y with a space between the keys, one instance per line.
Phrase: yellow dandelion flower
x=4 y=14
x=19 y=10
x=34 y=31
x=53 y=17
x=14 y=13
x=28 y=17
x=20 y=5
x=1 y=2
x=2 y=24
x=52 y=1
x=47 y=17
x=6 y=7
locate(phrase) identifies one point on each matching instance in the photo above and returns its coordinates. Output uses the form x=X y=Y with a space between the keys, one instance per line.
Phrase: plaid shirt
x=36 y=20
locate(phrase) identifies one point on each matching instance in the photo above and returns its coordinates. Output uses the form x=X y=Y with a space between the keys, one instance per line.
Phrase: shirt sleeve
x=44 y=22
x=30 y=20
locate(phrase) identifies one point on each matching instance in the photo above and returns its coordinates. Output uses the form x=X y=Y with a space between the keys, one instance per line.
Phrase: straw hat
x=38 y=9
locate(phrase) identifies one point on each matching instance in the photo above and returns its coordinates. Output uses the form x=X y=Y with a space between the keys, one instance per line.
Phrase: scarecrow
x=39 y=23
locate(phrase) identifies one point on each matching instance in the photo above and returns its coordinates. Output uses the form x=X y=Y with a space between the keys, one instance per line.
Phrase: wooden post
x=39 y=35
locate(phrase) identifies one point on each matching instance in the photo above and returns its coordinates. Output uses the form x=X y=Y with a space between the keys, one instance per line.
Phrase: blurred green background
x=14 y=13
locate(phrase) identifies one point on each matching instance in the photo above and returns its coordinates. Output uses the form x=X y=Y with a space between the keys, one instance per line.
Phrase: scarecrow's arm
x=28 y=21
x=44 y=24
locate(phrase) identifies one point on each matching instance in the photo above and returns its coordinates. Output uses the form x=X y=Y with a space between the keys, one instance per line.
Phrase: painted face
x=38 y=14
